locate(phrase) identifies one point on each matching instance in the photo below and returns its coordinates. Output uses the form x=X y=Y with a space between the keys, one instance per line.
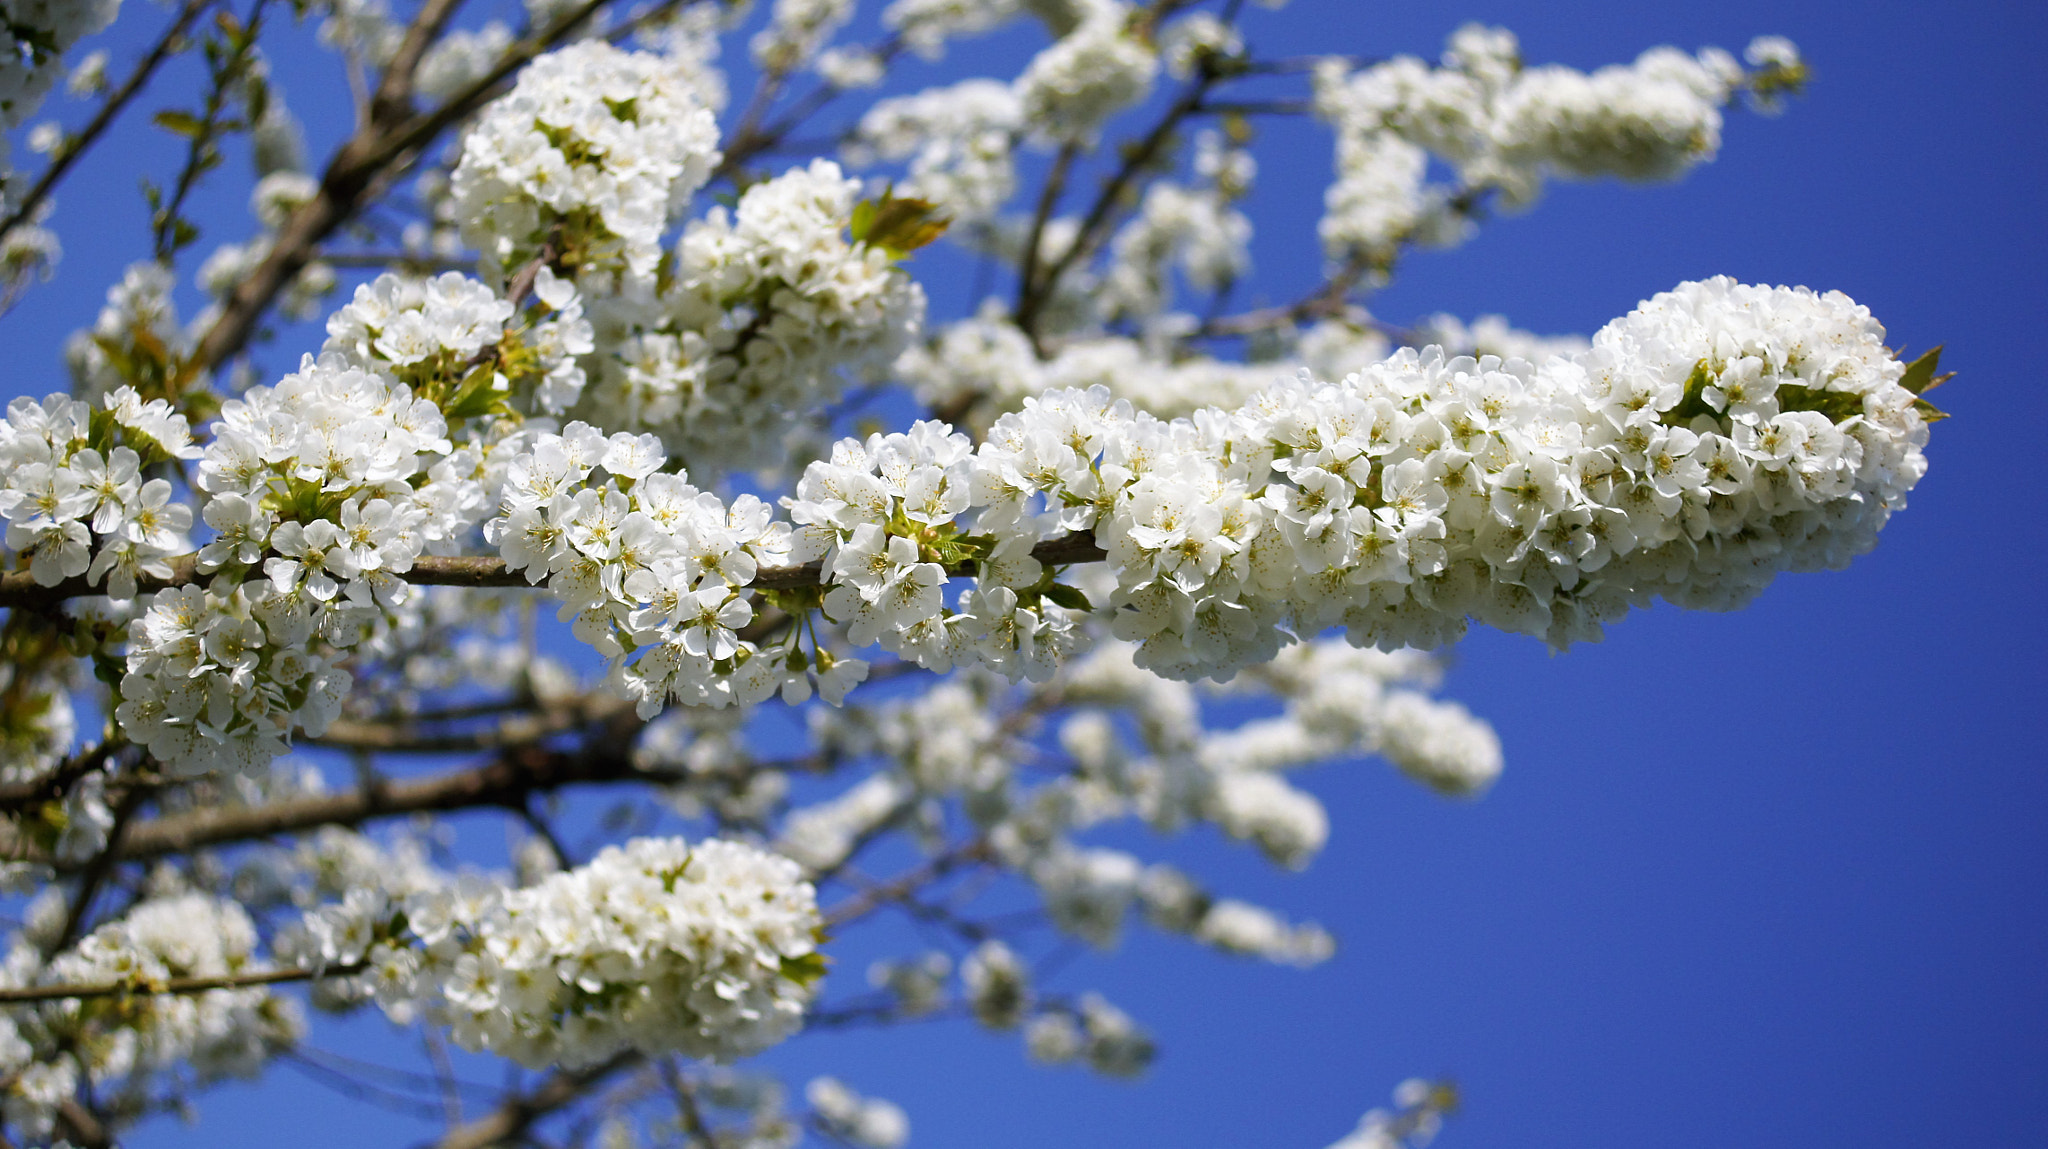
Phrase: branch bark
x=18 y=995
x=19 y=589
x=165 y=46
x=391 y=137
x=518 y=1113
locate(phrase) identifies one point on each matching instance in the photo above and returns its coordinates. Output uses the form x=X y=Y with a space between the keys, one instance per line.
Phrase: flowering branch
x=387 y=141
x=19 y=590
x=517 y=1114
x=162 y=50
x=28 y=994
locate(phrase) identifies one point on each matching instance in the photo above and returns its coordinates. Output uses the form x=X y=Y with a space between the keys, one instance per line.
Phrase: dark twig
x=162 y=50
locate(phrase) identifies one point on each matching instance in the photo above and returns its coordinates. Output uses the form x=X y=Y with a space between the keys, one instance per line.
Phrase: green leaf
x=178 y=123
x=1836 y=405
x=1060 y=594
x=1694 y=402
x=897 y=225
x=1920 y=376
x=806 y=969
x=475 y=394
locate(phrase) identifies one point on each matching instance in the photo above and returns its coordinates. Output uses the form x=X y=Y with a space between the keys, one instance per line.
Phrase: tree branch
x=874 y=897
x=18 y=590
x=518 y=1113
x=1095 y=227
x=389 y=139
x=19 y=995
x=60 y=164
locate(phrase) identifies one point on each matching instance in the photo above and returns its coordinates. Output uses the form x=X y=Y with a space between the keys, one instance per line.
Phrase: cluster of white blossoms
x=1072 y=88
x=136 y=331
x=588 y=158
x=796 y=30
x=707 y=950
x=1504 y=127
x=986 y=362
x=880 y=516
x=768 y=308
x=74 y=495
x=869 y=1122
x=1414 y=1121
x=997 y=984
x=120 y=1045
x=1254 y=931
x=330 y=484
x=276 y=195
x=824 y=834
x=461 y=58
x=34 y=35
x=648 y=565
x=926 y=25
x=1715 y=436
x=956 y=741
x=961 y=142
x=435 y=334
x=1091 y=1031
x=1490 y=335
x=1192 y=230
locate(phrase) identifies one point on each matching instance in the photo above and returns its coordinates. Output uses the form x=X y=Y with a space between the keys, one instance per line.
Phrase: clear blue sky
x=1771 y=878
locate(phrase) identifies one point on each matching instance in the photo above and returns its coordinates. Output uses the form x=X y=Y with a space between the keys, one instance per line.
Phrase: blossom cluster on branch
x=607 y=344
x=657 y=946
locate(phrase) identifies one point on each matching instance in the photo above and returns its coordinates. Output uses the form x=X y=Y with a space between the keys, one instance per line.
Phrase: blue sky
x=1769 y=878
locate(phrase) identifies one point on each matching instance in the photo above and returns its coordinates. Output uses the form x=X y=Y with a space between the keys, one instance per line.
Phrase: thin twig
x=162 y=50
x=20 y=590
x=1095 y=226
x=518 y=1113
x=19 y=995
x=1028 y=289
x=874 y=897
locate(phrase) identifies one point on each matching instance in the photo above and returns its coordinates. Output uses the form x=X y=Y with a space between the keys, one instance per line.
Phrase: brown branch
x=1028 y=289
x=513 y=1118
x=515 y=730
x=83 y=1127
x=1095 y=227
x=19 y=995
x=504 y=781
x=61 y=163
x=19 y=589
x=874 y=897
x=388 y=141
x=1331 y=299
x=51 y=786
x=393 y=98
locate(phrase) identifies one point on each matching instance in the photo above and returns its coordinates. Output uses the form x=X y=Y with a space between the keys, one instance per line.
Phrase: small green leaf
x=1060 y=594
x=476 y=394
x=1929 y=413
x=806 y=969
x=1920 y=376
x=1694 y=402
x=178 y=123
x=897 y=225
x=1836 y=405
